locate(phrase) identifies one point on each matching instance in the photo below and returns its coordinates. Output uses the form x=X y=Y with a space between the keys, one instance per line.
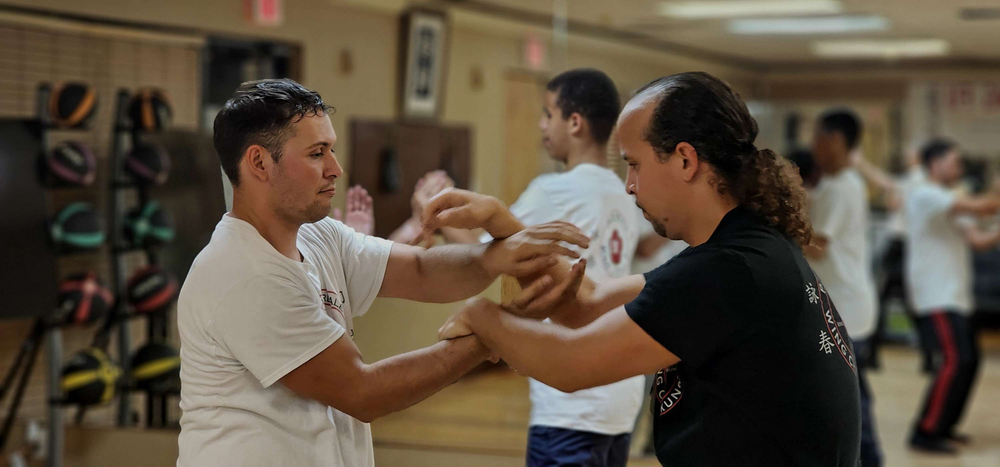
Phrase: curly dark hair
x=261 y=112
x=703 y=111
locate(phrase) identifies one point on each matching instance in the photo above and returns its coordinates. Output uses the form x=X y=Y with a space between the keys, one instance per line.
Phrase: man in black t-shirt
x=754 y=365
x=766 y=373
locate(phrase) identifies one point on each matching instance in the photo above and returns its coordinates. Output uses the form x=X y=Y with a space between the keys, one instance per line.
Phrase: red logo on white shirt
x=615 y=245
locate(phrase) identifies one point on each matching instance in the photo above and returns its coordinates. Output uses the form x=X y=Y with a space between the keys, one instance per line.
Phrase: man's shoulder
x=847 y=181
x=326 y=234
x=230 y=259
x=706 y=263
x=582 y=184
x=927 y=193
x=326 y=227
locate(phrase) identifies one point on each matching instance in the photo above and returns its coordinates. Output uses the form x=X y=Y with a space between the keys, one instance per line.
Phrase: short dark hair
x=260 y=112
x=803 y=159
x=935 y=149
x=591 y=94
x=842 y=121
x=703 y=111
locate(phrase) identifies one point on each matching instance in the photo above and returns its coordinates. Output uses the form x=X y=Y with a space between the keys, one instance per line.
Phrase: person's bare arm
x=454 y=272
x=575 y=301
x=875 y=175
x=469 y=237
x=649 y=245
x=465 y=209
x=980 y=239
x=817 y=248
x=610 y=349
x=339 y=378
x=407 y=232
x=978 y=205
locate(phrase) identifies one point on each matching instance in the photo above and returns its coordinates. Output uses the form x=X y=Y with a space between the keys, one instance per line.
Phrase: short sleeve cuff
x=383 y=261
x=304 y=357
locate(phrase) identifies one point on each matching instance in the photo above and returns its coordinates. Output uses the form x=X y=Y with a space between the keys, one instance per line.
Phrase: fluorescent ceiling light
x=705 y=9
x=881 y=48
x=822 y=25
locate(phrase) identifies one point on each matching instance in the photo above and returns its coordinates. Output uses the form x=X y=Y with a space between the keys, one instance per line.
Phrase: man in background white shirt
x=942 y=228
x=593 y=426
x=839 y=213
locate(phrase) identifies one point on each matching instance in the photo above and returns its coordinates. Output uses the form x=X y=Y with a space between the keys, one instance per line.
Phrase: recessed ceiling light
x=822 y=25
x=734 y=8
x=882 y=48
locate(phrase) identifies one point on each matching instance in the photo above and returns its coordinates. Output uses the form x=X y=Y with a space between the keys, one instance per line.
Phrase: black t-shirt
x=767 y=373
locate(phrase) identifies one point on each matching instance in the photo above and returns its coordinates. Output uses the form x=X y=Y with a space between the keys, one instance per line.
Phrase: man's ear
x=577 y=124
x=257 y=162
x=689 y=160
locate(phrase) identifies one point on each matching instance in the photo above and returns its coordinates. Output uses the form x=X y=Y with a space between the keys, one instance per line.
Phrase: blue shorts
x=559 y=447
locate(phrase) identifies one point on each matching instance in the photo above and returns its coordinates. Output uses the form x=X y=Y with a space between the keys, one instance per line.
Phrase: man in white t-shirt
x=839 y=255
x=593 y=426
x=941 y=229
x=269 y=370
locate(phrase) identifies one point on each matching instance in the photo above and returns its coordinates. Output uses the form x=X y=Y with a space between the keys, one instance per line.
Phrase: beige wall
x=369 y=30
x=325 y=28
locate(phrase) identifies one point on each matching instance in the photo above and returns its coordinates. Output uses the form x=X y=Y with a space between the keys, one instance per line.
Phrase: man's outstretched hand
x=463 y=209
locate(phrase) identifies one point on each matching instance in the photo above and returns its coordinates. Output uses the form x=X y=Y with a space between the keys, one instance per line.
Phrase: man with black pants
x=593 y=426
x=839 y=213
x=942 y=229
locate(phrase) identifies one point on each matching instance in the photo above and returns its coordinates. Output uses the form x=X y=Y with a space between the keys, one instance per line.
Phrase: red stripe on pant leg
x=946 y=377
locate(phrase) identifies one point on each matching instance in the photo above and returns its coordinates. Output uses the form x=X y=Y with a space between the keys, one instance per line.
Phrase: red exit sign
x=264 y=12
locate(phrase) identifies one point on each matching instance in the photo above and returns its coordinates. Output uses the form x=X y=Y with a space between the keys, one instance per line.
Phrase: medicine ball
x=89 y=378
x=71 y=163
x=77 y=227
x=150 y=110
x=82 y=299
x=148 y=164
x=151 y=289
x=156 y=367
x=71 y=104
x=148 y=225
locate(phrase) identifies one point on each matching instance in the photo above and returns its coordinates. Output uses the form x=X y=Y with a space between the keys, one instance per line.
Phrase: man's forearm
x=981 y=206
x=449 y=273
x=403 y=380
x=592 y=300
x=817 y=249
x=503 y=224
x=980 y=240
x=461 y=236
x=575 y=311
x=543 y=351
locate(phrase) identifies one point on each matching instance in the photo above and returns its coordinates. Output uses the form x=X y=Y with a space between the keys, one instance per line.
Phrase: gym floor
x=481 y=421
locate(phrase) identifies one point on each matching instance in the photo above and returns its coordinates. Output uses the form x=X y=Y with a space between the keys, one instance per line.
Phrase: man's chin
x=317 y=213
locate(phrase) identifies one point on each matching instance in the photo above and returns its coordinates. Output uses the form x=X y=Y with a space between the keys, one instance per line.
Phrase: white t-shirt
x=247 y=316
x=906 y=183
x=592 y=198
x=839 y=211
x=938 y=259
